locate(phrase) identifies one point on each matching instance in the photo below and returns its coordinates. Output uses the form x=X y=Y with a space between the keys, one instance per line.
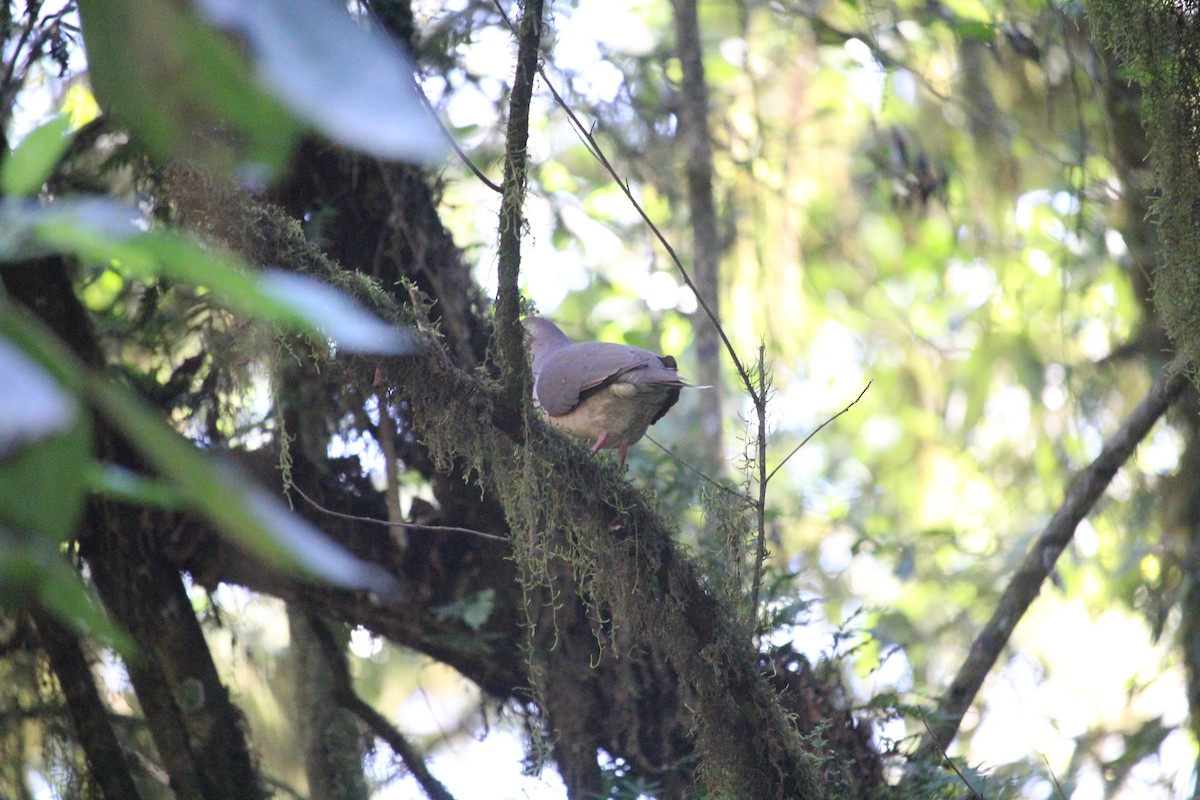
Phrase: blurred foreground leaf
x=35 y=570
x=353 y=84
x=114 y=234
x=185 y=90
x=182 y=89
x=45 y=444
x=239 y=510
x=335 y=314
x=27 y=168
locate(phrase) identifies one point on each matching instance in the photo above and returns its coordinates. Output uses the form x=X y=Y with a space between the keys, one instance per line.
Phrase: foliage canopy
x=268 y=473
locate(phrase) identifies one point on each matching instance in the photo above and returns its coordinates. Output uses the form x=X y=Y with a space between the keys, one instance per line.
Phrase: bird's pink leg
x=603 y=440
x=622 y=450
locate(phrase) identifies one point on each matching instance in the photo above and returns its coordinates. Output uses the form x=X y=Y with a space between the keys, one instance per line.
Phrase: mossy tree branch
x=568 y=508
x=516 y=168
x=1156 y=42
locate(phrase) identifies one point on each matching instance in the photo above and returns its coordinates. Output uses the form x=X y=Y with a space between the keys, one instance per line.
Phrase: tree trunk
x=706 y=247
x=333 y=744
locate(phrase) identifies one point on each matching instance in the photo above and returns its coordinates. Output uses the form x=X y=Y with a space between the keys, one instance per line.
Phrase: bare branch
x=1085 y=490
x=410 y=525
x=817 y=430
x=462 y=156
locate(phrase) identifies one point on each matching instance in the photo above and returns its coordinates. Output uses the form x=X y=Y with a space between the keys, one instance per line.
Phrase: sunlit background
x=983 y=315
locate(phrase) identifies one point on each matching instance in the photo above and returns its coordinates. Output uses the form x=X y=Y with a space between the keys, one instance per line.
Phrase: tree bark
x=196 y=728
x=333 y=745
x=89 y=715
x=706 y=247
x=677 y=682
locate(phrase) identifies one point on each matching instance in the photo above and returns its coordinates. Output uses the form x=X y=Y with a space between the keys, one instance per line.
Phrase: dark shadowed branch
x=89 y=715
x=343 y=688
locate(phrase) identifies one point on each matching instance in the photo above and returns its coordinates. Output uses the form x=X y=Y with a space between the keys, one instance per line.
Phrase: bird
x=605 y=393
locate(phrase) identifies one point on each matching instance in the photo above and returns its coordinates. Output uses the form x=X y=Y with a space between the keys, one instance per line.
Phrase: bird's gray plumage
x=605 y=392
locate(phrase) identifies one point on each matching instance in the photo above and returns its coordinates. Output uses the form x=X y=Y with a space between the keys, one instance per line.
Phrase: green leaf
x=247 y=515
x=43 y=486
x=27 y=168
x=351 y=82
x=287 y=299
x=182 y=89
x=186 y=90
x=45 y=445
x=34 y=570
x=474 y=611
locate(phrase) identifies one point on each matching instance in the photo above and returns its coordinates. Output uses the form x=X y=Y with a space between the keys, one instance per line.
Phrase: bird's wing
x=576 y=371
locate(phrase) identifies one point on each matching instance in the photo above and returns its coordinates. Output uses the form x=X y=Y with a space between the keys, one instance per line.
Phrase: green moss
x=1156 y=42
x=574 y=522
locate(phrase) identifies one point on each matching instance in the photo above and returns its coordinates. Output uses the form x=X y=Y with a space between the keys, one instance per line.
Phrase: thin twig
x=954 y=767
x=760 y=550
x=412 y=525
x=1081 y=496
x=586 y=135
x=462 y=156
x=817 y=430
x=698 y=473
x=1053 y=778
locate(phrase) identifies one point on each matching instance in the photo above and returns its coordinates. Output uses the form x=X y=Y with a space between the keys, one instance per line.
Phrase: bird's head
x=544 y=339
